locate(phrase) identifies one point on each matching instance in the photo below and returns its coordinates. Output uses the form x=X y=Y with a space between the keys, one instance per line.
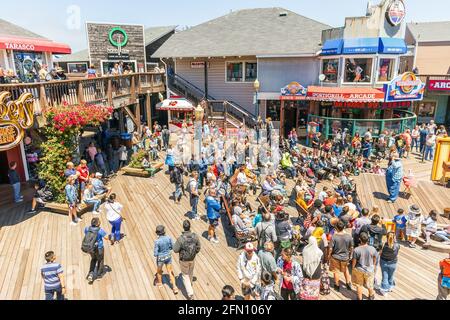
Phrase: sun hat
x=415 y=209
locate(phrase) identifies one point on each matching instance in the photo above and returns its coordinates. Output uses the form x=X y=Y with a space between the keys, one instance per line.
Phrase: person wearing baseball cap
x=249 y=267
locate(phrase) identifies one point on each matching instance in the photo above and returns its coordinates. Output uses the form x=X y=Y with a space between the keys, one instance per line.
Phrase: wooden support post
x=132 y=116
x=42 y=96
x=109 y=93
x=80 y=93
x=148 y=108
x=225 y=113
x=282 y=121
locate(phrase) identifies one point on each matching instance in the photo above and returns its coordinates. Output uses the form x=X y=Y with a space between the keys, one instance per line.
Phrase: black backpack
x=189 y=248
x=90 y=240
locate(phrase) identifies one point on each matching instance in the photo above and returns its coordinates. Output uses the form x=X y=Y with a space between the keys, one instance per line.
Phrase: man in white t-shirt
x=113 y=215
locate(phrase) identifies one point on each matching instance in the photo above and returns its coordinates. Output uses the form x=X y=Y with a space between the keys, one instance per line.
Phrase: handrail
x=187 y=84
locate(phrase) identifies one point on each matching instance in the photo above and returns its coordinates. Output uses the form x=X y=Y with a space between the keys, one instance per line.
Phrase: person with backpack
x=364 y=266
x=359 y=223
x=163 y=253
x=176 y=177
x=194 y=196
x=267 y=258
x=444 y=279
x=312 y=270
x=114 y=216
x=188 y=246
x=268 y=288
x=93 y=245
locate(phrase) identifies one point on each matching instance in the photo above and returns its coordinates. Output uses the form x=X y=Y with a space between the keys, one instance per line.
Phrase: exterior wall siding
x=241 y=93
x=433 y=59
x=276 y=73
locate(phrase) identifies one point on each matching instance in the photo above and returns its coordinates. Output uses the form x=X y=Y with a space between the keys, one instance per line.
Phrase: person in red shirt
x=408 y=140
x=330 y=200
x=83 y=176
x=444 y=279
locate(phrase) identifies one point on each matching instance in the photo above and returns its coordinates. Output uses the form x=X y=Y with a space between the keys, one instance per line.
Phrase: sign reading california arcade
x=405 y=87
x=15 y=117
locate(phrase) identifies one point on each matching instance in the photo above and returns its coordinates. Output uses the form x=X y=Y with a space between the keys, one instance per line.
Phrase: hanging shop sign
x=439 y=85
x=15 y=117
x=293 y=91
x=405 y=87
x=198 y=64
x=372 y=105
x=396 y=12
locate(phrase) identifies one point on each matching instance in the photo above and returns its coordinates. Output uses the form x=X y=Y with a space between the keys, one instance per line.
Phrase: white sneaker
x=73 y=224
x=95 y=213
x=77 y=220
x=215 y=240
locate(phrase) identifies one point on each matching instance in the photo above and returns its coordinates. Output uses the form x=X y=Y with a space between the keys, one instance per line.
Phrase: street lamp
x=256 y=86
x=199 y=113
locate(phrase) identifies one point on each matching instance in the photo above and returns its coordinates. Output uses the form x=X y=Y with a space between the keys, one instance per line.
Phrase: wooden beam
x=148 y=108
x=132 y=116
x=282 y=121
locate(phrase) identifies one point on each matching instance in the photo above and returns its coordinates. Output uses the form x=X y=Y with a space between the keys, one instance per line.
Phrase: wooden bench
x=143 y=173
x=62 y=208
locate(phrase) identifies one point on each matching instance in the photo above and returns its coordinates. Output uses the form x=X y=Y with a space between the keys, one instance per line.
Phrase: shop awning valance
x=175 y=105
x=33 y=45
x=393 y=46
x=332 y=47
x=361 y=46
x=357 y=94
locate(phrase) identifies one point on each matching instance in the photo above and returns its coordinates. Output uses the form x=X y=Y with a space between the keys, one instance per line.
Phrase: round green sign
x=114 y=42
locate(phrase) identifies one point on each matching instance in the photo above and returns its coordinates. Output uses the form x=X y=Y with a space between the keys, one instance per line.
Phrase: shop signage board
x=439 y=85
x=405 y=87
x=293 y=91
x=198 y=64
x=16 y=117
x=396 y=12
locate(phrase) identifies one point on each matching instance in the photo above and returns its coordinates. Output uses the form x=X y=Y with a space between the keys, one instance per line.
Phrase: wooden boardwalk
x=24 y=240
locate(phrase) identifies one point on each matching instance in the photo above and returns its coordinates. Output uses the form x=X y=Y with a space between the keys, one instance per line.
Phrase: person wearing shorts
x=341 y=248
x=364 y=263
x=163 y=254
x=213 y=208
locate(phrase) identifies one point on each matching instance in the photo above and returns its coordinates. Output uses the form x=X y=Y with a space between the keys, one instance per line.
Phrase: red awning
x=34 y=45
x=347 y=94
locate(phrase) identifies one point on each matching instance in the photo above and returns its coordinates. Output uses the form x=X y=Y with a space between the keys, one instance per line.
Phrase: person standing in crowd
x=14 y=180
x=444 y=279
x=213 y=214
x=312 y=270
x=93 y=245
x=192 y=188
x=176 y=177
x=316 y=144
x=165 y=137
x=413 y=225
x=163 y=254
x=90 y=199
x=53 y=275
x=228 y=293
x=123 y=156
x=430 y=145
x=423 y=133
x=249 y=267
x=265 y=231
x=388 y=263
x=188 y=246
x=363 y=266
x=415 y=136
x=72 y=199
x=100 y=162
x=394 y=177
x=340 y=253
x=114 y=215
x=83 y=175
x=267 y=258
x=291 y=275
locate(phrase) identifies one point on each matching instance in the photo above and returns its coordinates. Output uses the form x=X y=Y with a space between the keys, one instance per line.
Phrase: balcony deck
x=115 y=91
x=24 y=240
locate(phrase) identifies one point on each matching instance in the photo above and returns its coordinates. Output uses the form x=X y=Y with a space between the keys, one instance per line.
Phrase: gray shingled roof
x=430 y=31
x=247 y=32
x=10 y=29
x=154 y=33
x=79 y=56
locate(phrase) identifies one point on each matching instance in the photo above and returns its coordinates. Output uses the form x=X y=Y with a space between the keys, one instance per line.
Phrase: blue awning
x=393 y=46
x=332 y=47
x=361 y=46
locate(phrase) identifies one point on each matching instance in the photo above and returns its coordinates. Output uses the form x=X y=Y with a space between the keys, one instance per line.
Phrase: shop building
x=25 y=52
x=221 y=60
x=360 y=73
x=431 y=41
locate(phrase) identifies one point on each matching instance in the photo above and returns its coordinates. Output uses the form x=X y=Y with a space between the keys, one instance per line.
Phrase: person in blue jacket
x=394 y=177
x=203 y=170
x=170 y=161
x=213 y=213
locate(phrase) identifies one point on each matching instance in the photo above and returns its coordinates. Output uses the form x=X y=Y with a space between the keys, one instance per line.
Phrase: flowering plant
x=62 y=132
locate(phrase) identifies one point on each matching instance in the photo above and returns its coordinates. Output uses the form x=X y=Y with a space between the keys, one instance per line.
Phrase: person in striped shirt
x=52 y=274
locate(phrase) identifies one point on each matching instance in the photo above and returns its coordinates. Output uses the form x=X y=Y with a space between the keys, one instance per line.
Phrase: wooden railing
x=103 y=90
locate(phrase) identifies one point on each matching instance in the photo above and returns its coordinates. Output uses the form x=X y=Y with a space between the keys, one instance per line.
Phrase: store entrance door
x=290 y=120
x=4 y=168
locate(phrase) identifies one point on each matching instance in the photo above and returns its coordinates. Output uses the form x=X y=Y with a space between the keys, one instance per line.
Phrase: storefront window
x=234 y=71
x=251 y=71
x=108 y=66
x=28 y=65
x=386 y=70
x=273 y=109
x=426 y=109
x=358 y=70
x=77 y=67
x=331 y=70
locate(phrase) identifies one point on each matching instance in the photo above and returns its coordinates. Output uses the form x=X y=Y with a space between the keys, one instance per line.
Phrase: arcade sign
x=293 y=91
x=439 y=85
x=15 y=117
x=396 y=12
x=405 y=87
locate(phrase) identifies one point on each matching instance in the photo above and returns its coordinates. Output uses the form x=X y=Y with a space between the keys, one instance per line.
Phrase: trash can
x=127 y=140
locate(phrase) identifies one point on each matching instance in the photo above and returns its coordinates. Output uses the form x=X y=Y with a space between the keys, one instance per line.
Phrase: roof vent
x=283 y=14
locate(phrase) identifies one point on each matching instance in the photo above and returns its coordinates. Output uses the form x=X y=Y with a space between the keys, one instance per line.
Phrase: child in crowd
x=400 y=224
